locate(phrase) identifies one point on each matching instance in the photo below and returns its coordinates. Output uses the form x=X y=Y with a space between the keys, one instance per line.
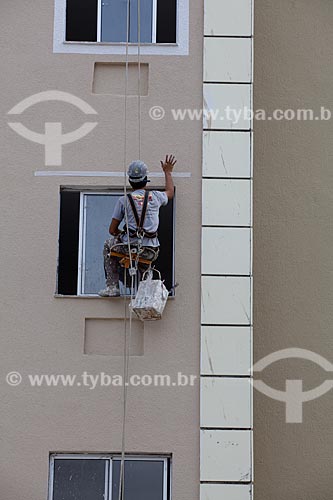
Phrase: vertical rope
x=126 y=340
x=139 y=75
x=125 y=131
x=122 y=462
x=127 y=347
x=127 y=337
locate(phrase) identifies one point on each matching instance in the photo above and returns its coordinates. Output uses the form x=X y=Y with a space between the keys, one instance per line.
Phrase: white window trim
x=61 y=46
x=154 y=21
x=99 y=20
x=82 y=246
x=108 y=468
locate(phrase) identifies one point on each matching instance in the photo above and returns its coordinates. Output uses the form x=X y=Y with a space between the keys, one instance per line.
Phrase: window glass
x=146 y=9
x=114 y=21
x=143 y=479
x=114 y=17
x=98 y=209
x=81 y=479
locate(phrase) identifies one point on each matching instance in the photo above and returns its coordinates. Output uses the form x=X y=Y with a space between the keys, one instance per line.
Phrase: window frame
x=109 y=457
x=115 y=191
x=180 y=48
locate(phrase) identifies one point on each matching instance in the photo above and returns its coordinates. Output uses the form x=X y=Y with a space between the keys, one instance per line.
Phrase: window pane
x=81 y=20
x=146 y=8
x=79 y=479
x=68 y=242
x=114 y=21
x=98 y=214
x=166 y=21
x=143 y=479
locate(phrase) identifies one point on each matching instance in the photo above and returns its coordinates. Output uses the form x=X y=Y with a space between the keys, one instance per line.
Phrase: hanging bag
x=151 y=297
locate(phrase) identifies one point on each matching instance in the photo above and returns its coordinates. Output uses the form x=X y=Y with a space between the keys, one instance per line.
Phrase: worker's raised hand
x=168 y=163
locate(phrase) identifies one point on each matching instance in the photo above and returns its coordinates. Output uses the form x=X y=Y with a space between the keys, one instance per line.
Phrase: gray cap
x=137 y=171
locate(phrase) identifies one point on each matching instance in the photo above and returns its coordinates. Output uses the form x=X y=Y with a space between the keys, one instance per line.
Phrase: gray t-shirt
x=156 y=199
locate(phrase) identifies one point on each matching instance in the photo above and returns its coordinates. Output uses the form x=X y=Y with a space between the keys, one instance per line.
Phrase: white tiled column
x=226 y=469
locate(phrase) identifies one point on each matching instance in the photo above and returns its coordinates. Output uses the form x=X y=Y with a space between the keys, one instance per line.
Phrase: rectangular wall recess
x=110 y=78
x=106 y=337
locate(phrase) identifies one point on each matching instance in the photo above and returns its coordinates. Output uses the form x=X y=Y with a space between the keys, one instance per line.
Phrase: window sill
x=59 y=296
x=120 y=44
x=110 y=48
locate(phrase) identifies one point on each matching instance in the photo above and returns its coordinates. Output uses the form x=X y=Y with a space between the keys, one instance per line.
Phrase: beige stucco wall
x=293 y=243
x=292 y=287
x=44 y=334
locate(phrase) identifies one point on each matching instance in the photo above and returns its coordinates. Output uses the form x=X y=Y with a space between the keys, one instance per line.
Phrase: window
x=96 y=477
x=106 y=21
x=85 y=217
x=83 y=27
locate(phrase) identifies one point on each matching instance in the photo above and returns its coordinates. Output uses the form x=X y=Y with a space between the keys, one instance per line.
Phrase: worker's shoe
x=110 y=291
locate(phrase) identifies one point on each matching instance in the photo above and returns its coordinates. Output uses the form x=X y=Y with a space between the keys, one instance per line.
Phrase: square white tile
x=225 y=300
x=226 y=154
x=226 y=250
x=226 y=402
x=227 y=106
x=228 y=17
x=227 y=60
x=225 y=492
x=226 y=202
x=226 y=455
x=226 y=350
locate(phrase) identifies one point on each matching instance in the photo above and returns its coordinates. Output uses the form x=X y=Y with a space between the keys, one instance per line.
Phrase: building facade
x=62 y=438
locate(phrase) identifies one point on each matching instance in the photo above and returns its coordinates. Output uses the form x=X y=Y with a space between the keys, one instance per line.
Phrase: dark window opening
x=85 y=217
x=81 y=20
x=166 y=21
x=68 y=242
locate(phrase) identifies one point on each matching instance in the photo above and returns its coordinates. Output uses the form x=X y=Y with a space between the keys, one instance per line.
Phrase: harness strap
x=140 y=222
x=134 y=210
x=144 y=210
x=146 y=234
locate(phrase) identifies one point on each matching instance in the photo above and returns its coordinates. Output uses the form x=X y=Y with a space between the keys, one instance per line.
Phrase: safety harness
x=139 y=231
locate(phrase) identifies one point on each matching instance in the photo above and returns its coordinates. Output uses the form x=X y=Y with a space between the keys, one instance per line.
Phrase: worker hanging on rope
x=142 y=208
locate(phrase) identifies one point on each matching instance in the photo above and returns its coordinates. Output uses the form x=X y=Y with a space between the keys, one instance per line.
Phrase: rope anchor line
x=132 y=269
